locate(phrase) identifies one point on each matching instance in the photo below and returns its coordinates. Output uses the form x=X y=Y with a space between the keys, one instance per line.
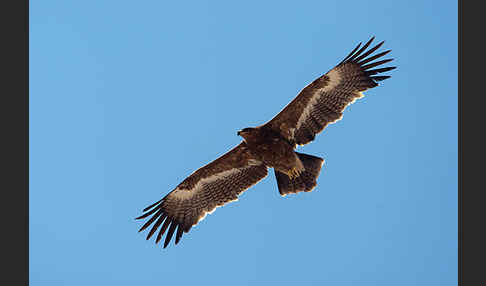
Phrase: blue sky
x=128 y=98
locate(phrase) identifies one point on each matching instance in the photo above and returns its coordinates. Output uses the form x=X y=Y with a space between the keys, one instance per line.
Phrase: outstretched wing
x=211 y=186
x=324 y=100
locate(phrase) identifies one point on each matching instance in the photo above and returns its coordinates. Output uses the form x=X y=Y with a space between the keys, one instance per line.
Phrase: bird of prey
x=271 y=145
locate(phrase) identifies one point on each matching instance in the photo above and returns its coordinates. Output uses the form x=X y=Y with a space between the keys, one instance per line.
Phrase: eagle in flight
x=271 y=145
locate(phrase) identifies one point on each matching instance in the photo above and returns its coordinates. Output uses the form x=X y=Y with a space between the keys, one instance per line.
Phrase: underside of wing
x=323 y=101
x=211 y=186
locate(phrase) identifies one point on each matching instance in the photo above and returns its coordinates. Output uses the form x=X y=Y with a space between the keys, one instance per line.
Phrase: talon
x=293 y=173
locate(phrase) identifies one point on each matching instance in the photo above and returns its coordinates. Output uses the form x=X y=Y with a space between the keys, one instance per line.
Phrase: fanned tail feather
x=307 y=179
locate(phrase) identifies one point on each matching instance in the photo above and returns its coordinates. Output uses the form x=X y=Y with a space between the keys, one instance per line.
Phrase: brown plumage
x=271 y=145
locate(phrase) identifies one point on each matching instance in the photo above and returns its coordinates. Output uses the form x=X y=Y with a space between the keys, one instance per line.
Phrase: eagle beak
x=238 y=133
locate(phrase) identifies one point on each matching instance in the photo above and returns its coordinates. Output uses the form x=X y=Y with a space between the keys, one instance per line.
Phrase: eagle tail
x=307 y=179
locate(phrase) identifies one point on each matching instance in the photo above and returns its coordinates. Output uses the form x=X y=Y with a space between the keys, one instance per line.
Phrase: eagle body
x=271 y=145
x=272 y=149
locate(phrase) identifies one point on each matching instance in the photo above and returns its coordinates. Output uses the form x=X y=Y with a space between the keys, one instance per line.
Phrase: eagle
x=271 y=145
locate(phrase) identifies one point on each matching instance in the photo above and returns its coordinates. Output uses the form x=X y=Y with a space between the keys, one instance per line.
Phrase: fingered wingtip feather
x=170 y=232
x=362 y=49
x=162 y=230
x=367 y=53
x=142 y=228
x=380 y=70
x=151 y=206
x=367 y=60
x=178 y=234
x=380 y=78
x=151 y=220
x=149 y=213
x=372 y=65
x=156 y=226
x=351 y=53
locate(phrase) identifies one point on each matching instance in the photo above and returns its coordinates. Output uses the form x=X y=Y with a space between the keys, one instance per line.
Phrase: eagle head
x=245 y=132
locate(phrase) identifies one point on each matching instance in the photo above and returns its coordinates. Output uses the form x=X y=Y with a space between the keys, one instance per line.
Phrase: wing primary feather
x=362 y=49
x=350 y=54
x=369 y=52
x=150 y=221
x=179 y=233
x=372 y=65
x=151 y=206
x=375 y=71
x=170 y=233
x=162 y=230
x=156 y=226
x=148 y=213
x=380 y=78
x=374 y=57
